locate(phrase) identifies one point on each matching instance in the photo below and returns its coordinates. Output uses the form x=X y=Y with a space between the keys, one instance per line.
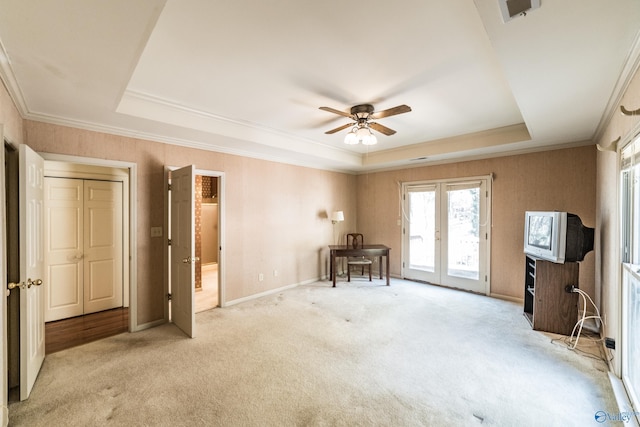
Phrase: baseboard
x=150 y=325
x=5 y=415
x=507 y=298
x=265 y=293
x=626 y=413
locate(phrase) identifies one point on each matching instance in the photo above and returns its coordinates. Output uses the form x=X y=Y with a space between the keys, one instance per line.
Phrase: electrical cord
x=580 y=323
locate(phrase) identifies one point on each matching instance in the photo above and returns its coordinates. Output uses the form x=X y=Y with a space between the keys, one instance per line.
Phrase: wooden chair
x=355 y=241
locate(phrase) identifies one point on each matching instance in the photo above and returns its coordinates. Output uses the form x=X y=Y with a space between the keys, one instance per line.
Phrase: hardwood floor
x=207 y=295
x=67 y=333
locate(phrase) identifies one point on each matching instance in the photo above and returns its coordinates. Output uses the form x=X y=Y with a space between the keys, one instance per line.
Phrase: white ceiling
x=247 y=77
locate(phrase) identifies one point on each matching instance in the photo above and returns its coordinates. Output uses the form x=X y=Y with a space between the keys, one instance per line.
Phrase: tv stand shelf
x=547 y=306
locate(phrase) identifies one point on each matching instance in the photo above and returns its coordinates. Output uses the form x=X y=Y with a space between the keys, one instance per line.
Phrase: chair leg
x=348 y=273
x=369 y=272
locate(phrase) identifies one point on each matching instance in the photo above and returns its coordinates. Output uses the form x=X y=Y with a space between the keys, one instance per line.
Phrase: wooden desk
x=337 y=251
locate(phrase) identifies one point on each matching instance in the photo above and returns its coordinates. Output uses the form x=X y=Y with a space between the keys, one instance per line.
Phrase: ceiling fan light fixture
x=369 y=139
x=351 y=138
x=362 y=115
x=360 y=134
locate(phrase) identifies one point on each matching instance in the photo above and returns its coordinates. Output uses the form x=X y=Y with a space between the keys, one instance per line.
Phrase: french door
x=445 y=233
x=630 y=258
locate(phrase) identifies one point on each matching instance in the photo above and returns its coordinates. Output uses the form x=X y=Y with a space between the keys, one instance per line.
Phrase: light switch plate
x=156 y=231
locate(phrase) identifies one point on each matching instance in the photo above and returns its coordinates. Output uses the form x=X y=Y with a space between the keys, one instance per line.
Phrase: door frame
x=130 y=239
x=222 y=301
x=488 y=219
x=4 y=379
x=75 y=171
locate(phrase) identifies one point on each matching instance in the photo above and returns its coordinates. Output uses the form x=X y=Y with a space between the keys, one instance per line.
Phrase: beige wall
x=622 y=129
x=276 y=214
x=562 y=180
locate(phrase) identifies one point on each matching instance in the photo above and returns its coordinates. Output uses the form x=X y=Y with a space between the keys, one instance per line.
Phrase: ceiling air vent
x=513 y=8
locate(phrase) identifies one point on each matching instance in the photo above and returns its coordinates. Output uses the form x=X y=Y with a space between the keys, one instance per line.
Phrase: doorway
x=445 y=233
x=74 y=166
x=194 y=218
x=206 y=242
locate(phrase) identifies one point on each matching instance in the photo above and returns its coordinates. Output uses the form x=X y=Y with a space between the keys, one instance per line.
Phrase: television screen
x=540 y=231
x=556 y=236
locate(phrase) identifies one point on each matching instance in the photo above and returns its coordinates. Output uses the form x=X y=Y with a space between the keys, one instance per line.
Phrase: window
x=630 y=253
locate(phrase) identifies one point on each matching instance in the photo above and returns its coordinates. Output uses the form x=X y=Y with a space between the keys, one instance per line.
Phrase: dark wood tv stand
x=547 y=305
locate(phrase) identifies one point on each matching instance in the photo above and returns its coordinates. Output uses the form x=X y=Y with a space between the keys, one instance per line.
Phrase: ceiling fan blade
x=391 y=112
x=338 y=129
x=334 y=111
x=382 y=129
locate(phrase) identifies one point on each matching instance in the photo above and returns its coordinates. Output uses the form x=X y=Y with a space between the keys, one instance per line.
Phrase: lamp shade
x=351 y=139
x=337 y=216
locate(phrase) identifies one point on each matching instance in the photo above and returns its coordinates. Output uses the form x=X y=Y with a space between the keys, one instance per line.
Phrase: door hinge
x=169 y=186
x=169 y=296
x=485 y=277
x=169 y=242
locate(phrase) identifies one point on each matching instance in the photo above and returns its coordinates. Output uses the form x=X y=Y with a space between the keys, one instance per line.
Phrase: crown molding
x=629 y=69
x=10 y=82
x=181 y=142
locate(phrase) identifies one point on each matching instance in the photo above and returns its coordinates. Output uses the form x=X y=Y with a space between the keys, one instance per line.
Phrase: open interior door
x=31 y=177
x=183 y=249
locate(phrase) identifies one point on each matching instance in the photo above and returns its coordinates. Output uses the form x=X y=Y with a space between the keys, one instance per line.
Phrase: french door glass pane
x=632 y=374
x=630 y=257
x=463 y=233
x=634 y=203
x=422 y=216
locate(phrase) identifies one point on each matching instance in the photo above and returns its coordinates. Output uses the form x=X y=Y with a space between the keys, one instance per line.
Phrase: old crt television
x=556 y=236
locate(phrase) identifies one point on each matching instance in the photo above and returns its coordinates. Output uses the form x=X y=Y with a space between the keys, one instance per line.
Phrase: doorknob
x=189 y=260
x=29 y=283
x=36 y=282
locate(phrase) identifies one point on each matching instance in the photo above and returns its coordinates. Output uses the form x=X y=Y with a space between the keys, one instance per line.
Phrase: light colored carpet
x=361 y=354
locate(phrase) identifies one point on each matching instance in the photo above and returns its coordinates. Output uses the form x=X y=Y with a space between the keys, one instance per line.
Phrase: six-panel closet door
x=83 y=247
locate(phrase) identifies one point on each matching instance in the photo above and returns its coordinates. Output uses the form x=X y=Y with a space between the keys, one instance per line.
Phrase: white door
x=446 y=234
x=83 y=237
x=102 y=245
x=31 y=178
x=183 y=249
x=422 y=233
x=64 y=291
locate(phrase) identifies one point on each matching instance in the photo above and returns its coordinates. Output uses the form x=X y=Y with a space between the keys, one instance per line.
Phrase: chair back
x=355 y=240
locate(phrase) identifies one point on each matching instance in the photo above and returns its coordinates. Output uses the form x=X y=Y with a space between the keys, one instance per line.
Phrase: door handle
x=189 y=260
x=29 y=283
x=36 y=282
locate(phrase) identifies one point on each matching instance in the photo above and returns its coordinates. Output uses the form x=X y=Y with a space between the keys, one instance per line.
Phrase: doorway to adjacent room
x=194 y=257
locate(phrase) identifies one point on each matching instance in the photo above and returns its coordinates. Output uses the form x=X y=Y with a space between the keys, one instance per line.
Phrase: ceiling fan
x=363 y=117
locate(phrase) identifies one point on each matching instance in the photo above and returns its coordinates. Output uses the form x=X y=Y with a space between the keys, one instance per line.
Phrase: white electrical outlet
x=260 y=277
x=156 y=231
x=275 y=273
